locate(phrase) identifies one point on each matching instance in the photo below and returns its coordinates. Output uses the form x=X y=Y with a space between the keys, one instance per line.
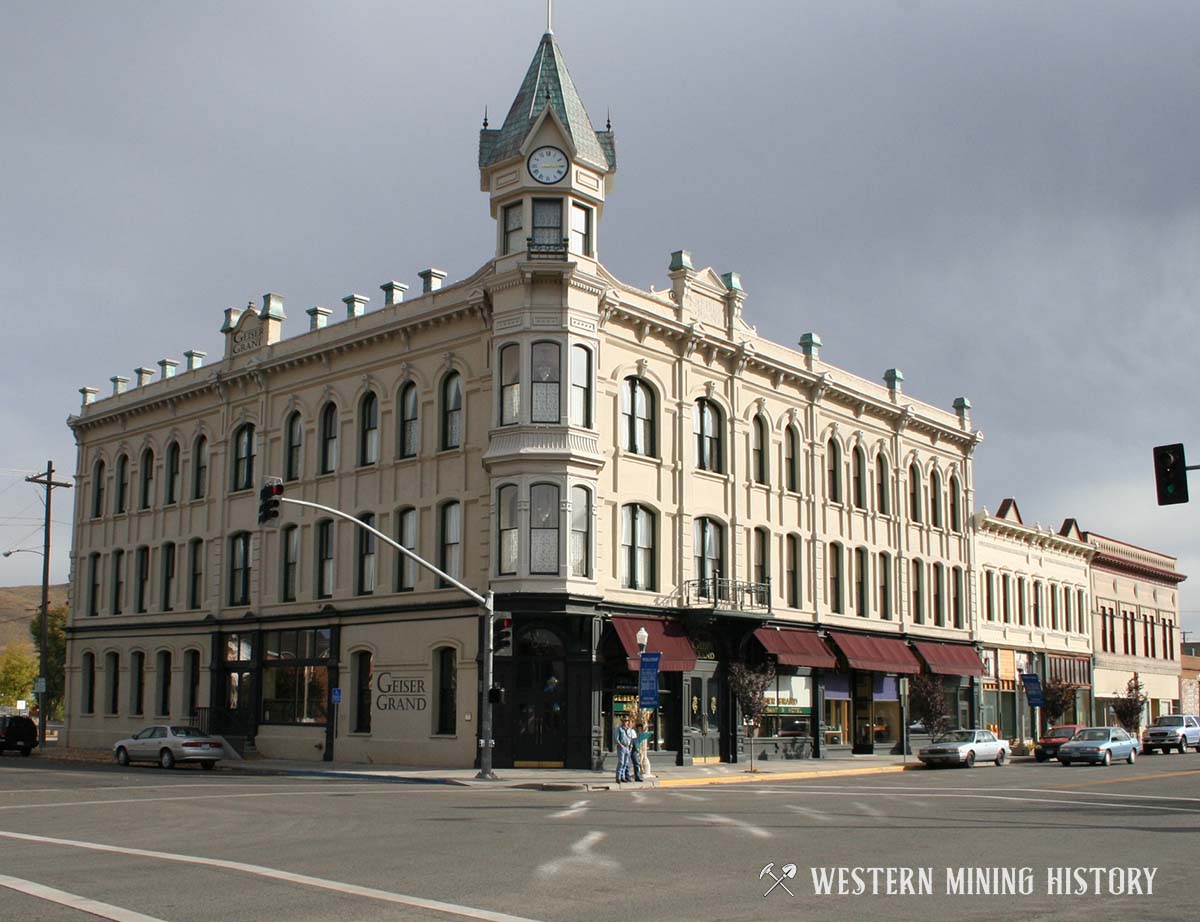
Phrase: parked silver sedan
x=1099 y=745
x=965 y=747
x=167 y=745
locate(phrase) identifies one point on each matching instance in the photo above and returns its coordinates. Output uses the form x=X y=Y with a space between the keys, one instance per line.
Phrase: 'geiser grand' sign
x=401 y=693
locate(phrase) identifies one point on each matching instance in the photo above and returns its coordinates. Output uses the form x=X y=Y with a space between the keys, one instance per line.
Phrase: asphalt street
x=182 y=846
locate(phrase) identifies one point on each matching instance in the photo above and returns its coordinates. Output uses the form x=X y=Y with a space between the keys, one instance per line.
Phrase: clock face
x=548 y=165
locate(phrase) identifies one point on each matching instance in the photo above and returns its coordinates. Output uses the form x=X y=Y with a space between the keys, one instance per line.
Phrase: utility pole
x=45 y=480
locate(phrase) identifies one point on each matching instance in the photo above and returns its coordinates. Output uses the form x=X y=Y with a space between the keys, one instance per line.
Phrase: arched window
x=239 y=569
x=361 y=667
x=406 y=534
x=935 y=499
x=835 y=566
x=289 y=549
x=171 y=491
x=637 y=417
x=447 y=691
x=450 y=544
x=168 y=576
x=918 y=592
x=758 y=450
x=581 y=387
x=939 y=595
x=546 y=368
x=122 y=484
x=146 y=493
x=510 y=384
x=118 y=581
x=883 y=499
x=792 y=565
x=637 y=547
x=200 y=468
x=325 y=574
x=137 y=683
x=141 y=582
x=452 y=400
x=243 y=457
x=191 y=682
x=762 y=556
x=195 y=573
x=163 y=676
x=956 y=522
x=708 y=422
x=833 y=468
x=914 y=492
x=860 y=581
x=293 y=446
x=543 y=528
x=112 y=683
x=956 y=599
x=581 y=531
x=368 y=429
x=87 y=689
x=709 y=550
x=508 y=534
x=93 y=596
x=98 y=489
x=884 y=572
x=859 y=486
x=791 y=459
x=1037 y=603
x=329 y=439
x=408 y=429
x=367 y=555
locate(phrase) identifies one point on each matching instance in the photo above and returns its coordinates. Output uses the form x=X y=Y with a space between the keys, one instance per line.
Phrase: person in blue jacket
x=624 y=739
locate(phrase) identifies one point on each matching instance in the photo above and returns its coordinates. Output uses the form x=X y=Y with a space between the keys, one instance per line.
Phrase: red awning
x=876 y=654
x=796 y=647
x=950 y=658
x=665 y=637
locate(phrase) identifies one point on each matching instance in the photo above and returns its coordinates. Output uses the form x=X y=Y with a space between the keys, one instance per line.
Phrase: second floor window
x=289 y=544
x=860 y=581
x=709 y=549
x=508 y=536
x=239 y=569
x=707 y=423
x=368 y=430
x=118 y=584
x=581 y=387
x=547 y=380
x=168 y=576
x=581 y=532
x=366 y=556
x=918 y=592
x=450 y=556
x=294 y=445
x=452 y=400
x=406 y=534
x=836 y=590
x=510 y=384
x=637 y=417
x=243 y=457
x=329 y=439
x=885 y=586
x=792 y=565
x=543 y=529
x=637 y=548
x=93 y=598
x=324 y=559
x=195 y=573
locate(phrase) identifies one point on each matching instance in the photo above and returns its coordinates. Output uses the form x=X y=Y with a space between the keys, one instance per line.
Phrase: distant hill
x=19 y=605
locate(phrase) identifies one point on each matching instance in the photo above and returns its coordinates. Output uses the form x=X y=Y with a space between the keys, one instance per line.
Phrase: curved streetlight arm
x=23 y=550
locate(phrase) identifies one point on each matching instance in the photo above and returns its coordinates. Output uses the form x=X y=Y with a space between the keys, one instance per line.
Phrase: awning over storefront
x=950 y=658
x=665 y=636
x=876 y=654
x=794 y=647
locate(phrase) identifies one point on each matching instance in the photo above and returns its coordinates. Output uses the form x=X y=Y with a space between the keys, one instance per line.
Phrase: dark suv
x=19 y=733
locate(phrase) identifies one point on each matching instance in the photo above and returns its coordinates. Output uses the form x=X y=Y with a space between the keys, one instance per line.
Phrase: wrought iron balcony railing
x=730 y=594
x=547 y=249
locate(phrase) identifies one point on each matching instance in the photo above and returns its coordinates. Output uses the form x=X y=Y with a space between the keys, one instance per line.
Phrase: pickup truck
x=1173 y=731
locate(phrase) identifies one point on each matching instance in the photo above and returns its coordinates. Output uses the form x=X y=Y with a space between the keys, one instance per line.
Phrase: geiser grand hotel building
x=604 y=458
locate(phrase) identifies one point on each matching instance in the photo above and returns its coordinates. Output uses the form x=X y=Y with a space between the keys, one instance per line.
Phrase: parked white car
x=168 y=745
x=965 y=747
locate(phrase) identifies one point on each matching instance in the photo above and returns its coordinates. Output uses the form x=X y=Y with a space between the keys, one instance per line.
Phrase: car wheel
x=166 y=759
x=26 y=750
x=1132 y=756
x=1183 y=746
x=1065 y=762
x=1106 y=759
x=122 y=756
x=970 y=759
x=1040 y=756
x=208 y=765
x=1001 y=758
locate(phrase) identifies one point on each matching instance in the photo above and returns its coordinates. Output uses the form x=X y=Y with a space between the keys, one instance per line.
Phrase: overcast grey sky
x=1000 y=198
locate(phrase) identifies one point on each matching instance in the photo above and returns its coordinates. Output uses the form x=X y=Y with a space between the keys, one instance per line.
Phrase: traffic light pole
x=486 y=743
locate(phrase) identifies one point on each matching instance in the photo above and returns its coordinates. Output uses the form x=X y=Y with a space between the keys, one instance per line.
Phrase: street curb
x=787 y=776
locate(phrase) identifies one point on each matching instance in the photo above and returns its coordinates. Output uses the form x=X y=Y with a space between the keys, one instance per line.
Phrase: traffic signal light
x=268 y=501
x=1170 y=474
x=501 y=635
x=496 y=694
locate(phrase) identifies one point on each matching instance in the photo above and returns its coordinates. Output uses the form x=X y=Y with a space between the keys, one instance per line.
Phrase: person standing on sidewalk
x=623 y=739
x=641 y=759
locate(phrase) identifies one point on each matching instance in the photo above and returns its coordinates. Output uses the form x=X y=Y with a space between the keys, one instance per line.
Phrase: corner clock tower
x=546 y=170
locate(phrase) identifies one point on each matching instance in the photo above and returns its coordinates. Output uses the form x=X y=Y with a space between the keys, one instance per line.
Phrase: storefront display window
x=788 y=708
x=835 y=718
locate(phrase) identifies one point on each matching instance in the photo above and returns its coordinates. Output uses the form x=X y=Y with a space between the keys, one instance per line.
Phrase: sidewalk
x=544 y=779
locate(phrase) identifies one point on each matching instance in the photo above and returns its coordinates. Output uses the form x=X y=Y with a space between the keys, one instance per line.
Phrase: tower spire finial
x=549 y=17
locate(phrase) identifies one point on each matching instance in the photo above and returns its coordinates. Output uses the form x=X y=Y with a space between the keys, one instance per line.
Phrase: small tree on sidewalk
x=749 y=686
x=1058 y=695
x=1129 y=707
x=927 y=700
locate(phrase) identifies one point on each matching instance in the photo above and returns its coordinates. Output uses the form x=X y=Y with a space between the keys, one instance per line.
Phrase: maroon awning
x=949 y=658
x=876 y=654
x=665 y=636
x=794 y=647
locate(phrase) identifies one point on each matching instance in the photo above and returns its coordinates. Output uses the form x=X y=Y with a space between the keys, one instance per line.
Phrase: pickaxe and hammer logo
x=787 y=872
